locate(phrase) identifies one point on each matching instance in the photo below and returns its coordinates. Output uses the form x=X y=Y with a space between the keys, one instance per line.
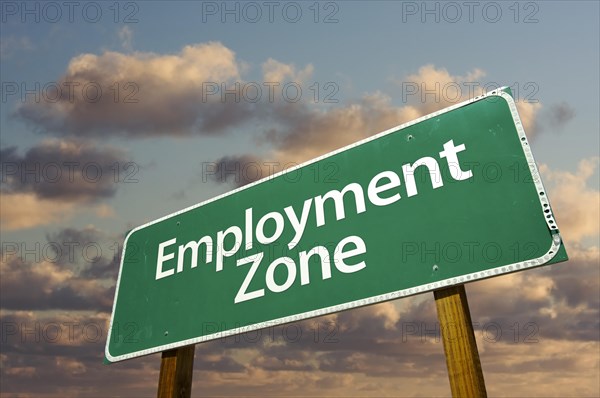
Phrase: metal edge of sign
x=505 y=269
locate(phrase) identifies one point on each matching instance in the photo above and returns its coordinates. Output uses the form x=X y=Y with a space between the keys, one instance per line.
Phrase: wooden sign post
x=460 y=347
x=176 y=370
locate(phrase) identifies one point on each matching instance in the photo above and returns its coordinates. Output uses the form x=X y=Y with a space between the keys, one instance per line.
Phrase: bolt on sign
x=450 y=198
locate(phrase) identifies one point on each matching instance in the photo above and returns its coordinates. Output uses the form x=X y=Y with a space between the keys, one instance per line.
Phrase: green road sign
x=449 y=198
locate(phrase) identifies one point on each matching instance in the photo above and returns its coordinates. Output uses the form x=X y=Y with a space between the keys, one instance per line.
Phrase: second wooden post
x=462 y=357
x=176 y=370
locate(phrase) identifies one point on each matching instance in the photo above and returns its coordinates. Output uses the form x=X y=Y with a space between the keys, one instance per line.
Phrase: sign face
x=449 y=198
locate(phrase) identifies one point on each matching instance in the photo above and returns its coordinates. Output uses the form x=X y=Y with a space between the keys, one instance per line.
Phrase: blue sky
x=366 y=56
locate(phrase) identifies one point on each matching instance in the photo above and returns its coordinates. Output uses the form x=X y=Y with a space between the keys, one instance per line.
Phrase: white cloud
x=436 y=88
x=126 y=36
x=575 y=203
x=141 y=93
x=275 y=71
x=26 y=210
x=10 y=45
x=104 y=211
x=528 y=112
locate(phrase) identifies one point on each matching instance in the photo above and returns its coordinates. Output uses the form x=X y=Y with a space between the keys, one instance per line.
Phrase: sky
x=114 y=114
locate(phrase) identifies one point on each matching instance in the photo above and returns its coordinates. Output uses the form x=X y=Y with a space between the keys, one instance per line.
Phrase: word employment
x=382 y=190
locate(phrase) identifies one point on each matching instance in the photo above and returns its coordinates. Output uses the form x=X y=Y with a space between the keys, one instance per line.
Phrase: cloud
x=577 y=286
x=299 y=131
x=559 y=115
x=303 y=132
x=575 y=203
x=44 y=285
x=528 y=112
x=275 y=71
x=520 y=370
x=142 y=94
x=52 y=180
x=559 y=302
x=73 y=269
x=93 y=253
x=126 y=36
x=11 y=45
x=62 y=169
x=62 y=351
x=433 y=88
x=26 y=210
x=239 y=170
x=309 y=132
x=104 y=211
x=200 y=90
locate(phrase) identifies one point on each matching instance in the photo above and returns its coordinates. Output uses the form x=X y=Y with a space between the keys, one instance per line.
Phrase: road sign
x=450 y=198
